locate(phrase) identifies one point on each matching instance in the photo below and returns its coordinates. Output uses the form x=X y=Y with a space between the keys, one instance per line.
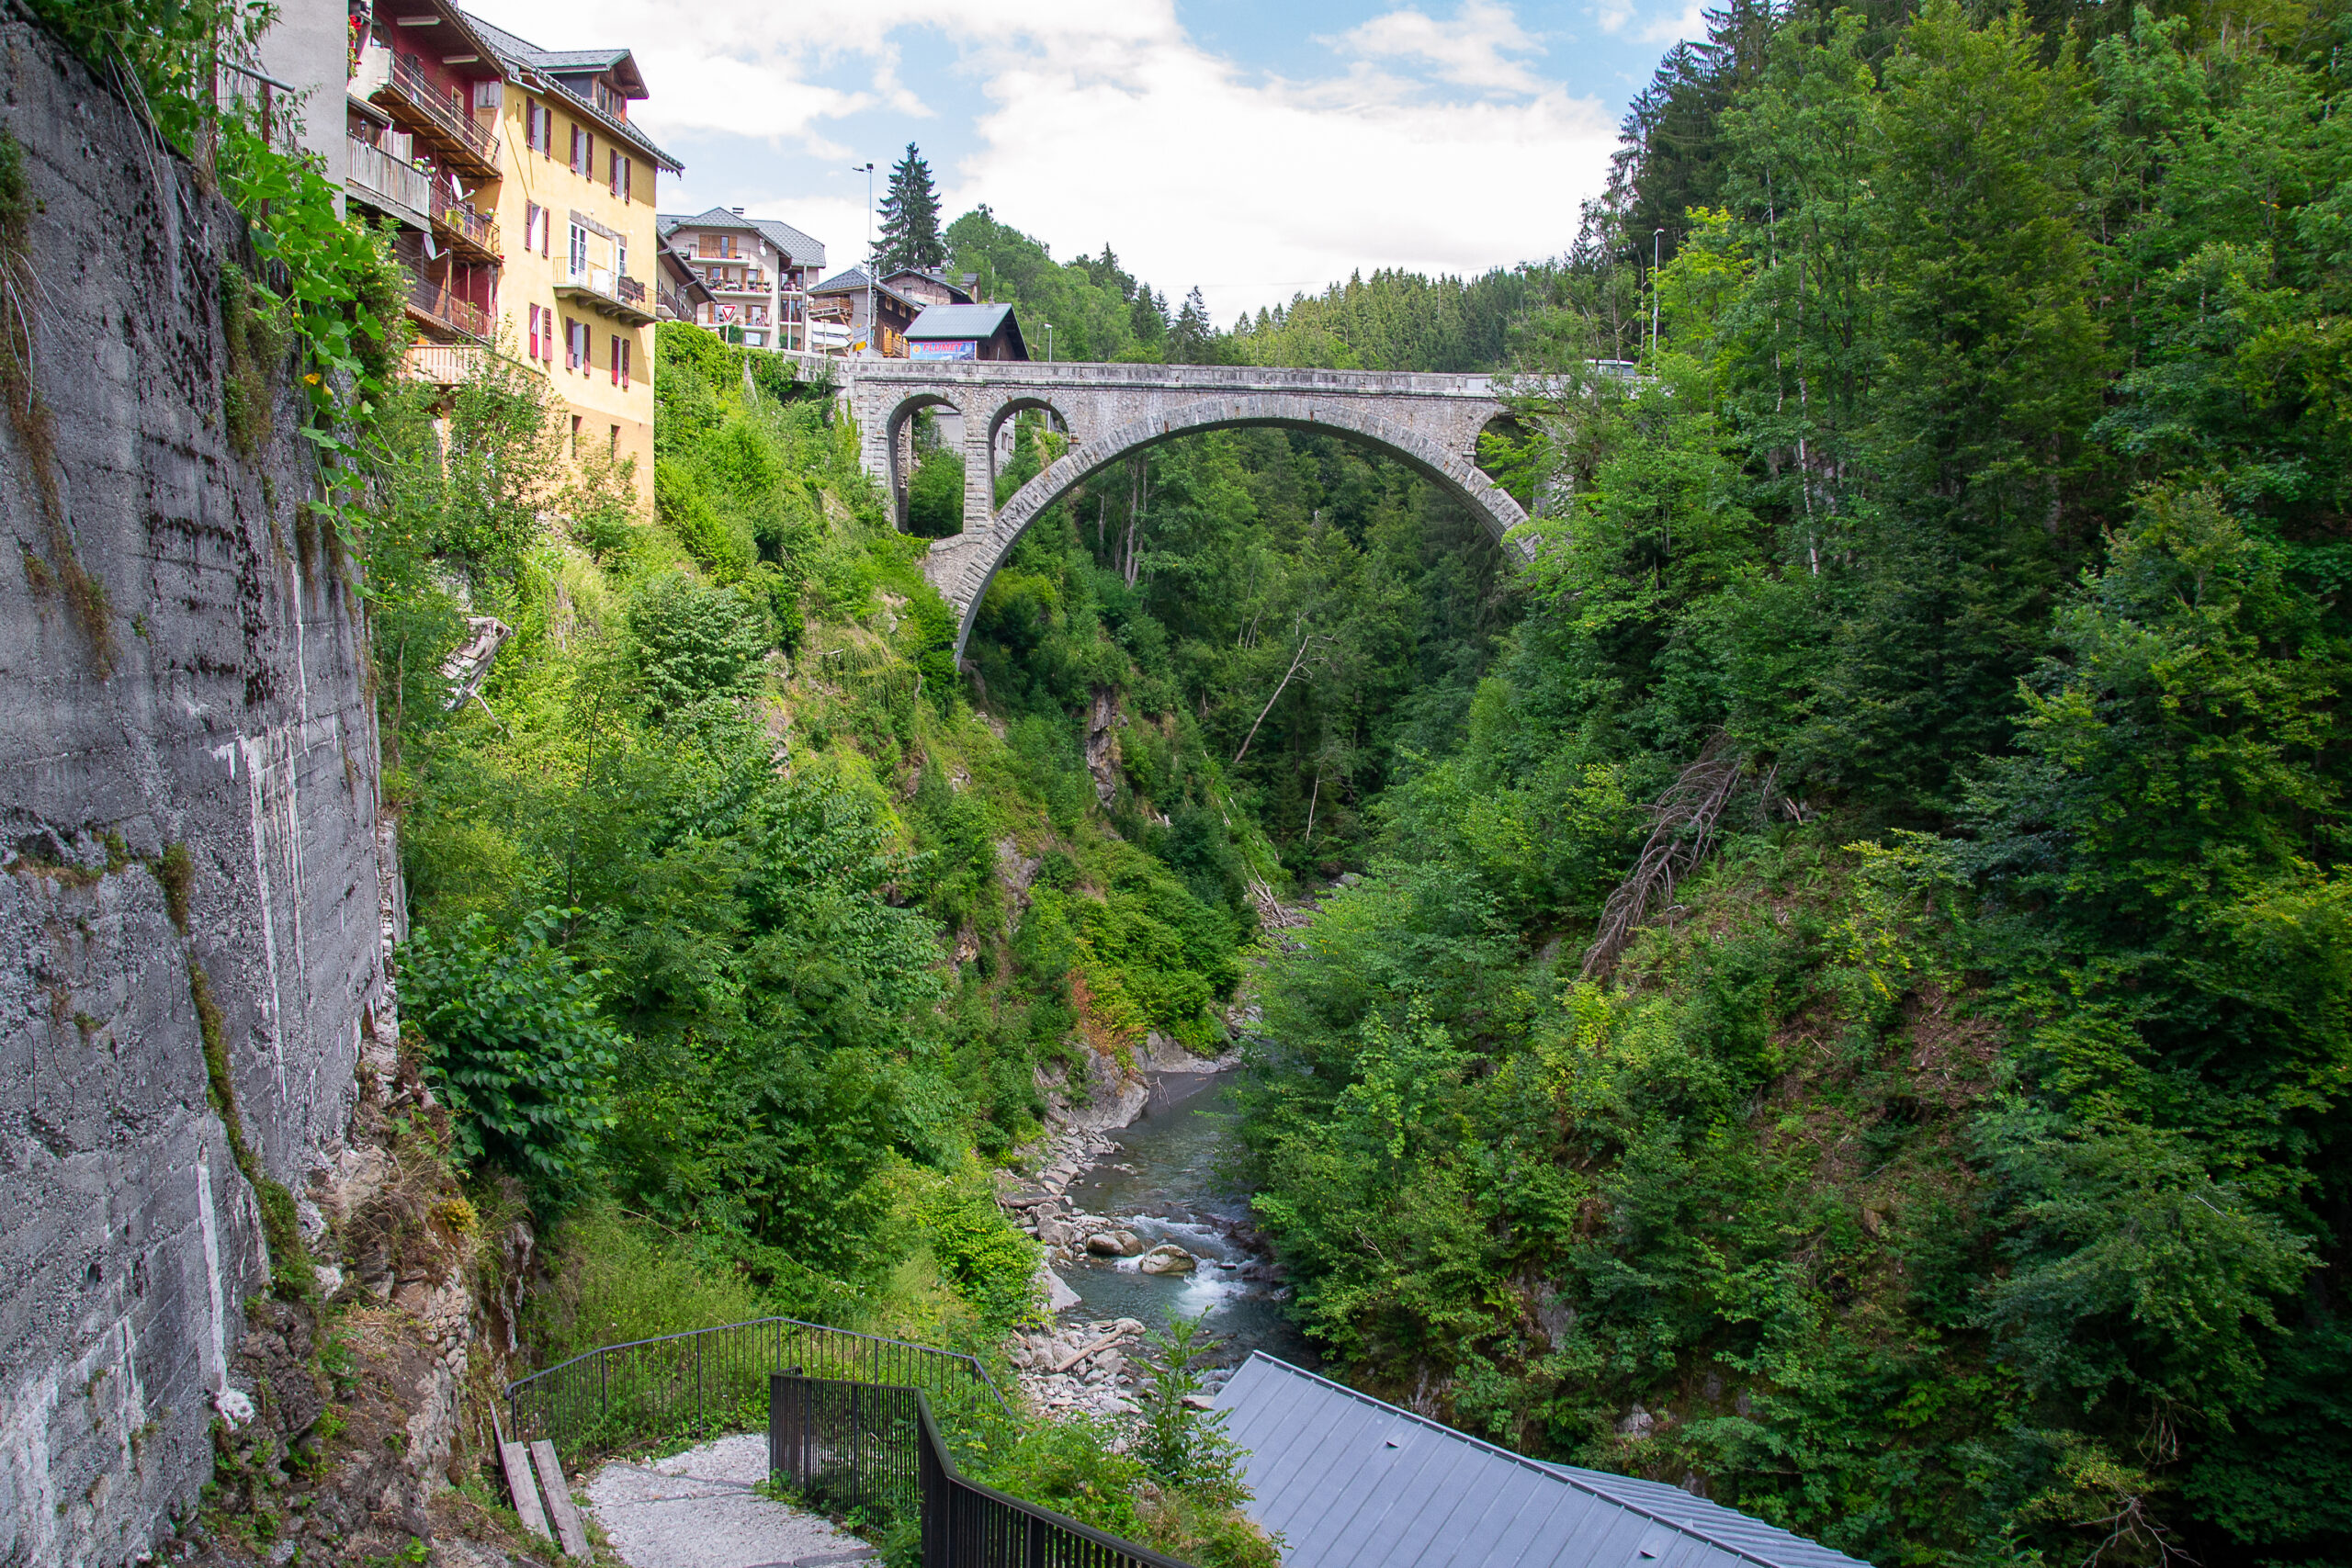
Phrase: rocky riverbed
x=1138 y=1228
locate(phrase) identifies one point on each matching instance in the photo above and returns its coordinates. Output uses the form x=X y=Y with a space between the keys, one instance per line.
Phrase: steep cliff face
x=191 y=928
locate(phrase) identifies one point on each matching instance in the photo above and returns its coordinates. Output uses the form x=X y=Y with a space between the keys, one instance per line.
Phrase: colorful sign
x=967 y=348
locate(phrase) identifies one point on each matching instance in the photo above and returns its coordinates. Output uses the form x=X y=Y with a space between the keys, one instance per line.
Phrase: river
x=1161 y=1182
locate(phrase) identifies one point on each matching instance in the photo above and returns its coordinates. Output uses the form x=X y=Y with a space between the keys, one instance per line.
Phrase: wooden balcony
x=469 y=233
x=383 y=182
x=608 y=293
x=443 y=364
x=463 y=143
x=438 y=309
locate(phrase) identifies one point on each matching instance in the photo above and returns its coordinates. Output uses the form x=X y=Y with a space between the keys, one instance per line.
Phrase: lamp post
x=1049 y=343
x=869 y=253
x=1656 y=236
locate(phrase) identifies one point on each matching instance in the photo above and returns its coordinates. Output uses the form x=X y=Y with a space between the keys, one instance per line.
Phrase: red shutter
x=535 y=331
x=627 y=171
x=627 y=353
x=570 y=345
x=616 y=362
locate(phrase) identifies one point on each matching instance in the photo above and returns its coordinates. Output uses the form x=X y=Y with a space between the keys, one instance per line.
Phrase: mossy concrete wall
x=188 y=784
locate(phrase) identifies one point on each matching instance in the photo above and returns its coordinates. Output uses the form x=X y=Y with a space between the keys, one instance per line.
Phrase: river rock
x=1102 y=1244
x=1167 y=1259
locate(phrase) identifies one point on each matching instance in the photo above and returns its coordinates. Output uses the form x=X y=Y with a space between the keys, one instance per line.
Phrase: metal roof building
x=1352 y=1483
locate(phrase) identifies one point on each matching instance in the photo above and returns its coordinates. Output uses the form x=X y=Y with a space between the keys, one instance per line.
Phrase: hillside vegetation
x=1858 y=1024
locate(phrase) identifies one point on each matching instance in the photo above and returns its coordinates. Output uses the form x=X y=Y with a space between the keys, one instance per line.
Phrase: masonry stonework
x=188 y=786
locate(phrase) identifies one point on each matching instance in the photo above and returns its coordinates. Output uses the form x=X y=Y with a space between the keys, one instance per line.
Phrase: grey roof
x=1353 y=1482
x=958 y=322
x=804 y=251
x=519 y=55
x=853 y=281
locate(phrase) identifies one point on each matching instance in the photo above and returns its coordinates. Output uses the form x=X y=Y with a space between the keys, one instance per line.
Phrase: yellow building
x=576 y=202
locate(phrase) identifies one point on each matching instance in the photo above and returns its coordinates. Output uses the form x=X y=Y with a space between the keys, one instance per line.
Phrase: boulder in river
x=1115 y=1244
x=1167 y=1259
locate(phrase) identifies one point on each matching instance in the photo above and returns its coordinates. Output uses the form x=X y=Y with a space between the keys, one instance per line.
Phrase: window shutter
x=535 y=331
x=628 y=353
x=570 y=345
x=616 y=361
x=627 y=171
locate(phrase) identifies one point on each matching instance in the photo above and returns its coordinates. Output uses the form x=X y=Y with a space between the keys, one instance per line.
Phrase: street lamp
x=869 y=253
x=1049 y=343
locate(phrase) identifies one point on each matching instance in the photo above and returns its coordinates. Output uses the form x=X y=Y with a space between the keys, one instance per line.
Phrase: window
x=532 y=213
x=535 y=331
x=626 y=181
x=575 y=343
x=538 y=129
x=579 y=257
x=620 y=175
x=614 y=450
x=575 y=435
x=616 y=360
x=579 y=151
x=620 y=258
x=486 y=95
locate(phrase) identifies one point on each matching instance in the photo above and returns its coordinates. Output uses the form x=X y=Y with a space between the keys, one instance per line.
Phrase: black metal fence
x=711 y=1381
x=855 y=1447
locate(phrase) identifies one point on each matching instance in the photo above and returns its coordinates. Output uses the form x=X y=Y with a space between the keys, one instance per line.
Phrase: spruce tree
x=910 y=218
x=1191 y=343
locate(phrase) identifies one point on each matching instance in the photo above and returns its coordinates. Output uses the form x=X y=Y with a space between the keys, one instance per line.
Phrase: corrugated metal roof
x=1353 y=1482
x=952 y=322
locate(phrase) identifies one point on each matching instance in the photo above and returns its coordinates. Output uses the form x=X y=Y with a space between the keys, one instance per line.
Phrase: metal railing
x=628 y=289
x=711 y=1381
x=460 y=219
x=460 y=130
x=877 y=1452
x=442 y=309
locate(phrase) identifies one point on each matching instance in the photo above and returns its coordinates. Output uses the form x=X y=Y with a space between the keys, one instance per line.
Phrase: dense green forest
x=1856 y=1022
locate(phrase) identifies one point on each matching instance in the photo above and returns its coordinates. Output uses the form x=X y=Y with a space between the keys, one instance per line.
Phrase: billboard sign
x=963 y=348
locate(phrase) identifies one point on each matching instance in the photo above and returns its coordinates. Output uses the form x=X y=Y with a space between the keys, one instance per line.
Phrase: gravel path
x=697 y=1510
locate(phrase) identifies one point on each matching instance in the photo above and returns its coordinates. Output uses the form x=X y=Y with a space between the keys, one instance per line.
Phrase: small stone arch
x=962 y=571
x=1004 y=412
x=896 y=446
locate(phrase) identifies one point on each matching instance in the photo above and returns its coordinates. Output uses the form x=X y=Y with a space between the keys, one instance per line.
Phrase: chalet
x=840 y=301
x=925 y=288
x=967 y=331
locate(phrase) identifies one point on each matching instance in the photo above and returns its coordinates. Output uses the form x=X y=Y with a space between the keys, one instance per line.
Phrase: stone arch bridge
x=1112 y=411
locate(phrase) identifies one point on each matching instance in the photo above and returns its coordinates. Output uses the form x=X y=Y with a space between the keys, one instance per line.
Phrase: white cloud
x=1469 y=50
x=1108 y=122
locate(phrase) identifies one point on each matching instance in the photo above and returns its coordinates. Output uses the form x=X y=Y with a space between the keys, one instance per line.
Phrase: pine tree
x=910 y=218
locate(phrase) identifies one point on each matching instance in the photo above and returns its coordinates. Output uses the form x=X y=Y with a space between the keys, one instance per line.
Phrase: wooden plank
x=524 y=1490
x=569 y=1532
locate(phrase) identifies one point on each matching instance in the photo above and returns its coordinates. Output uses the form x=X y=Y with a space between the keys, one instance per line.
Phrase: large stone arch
x=962 y=567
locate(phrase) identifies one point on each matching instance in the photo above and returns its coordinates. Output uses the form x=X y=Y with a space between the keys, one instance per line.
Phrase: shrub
x=518 y=1049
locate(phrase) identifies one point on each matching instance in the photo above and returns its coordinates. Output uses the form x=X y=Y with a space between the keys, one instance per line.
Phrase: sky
x=1254 y=149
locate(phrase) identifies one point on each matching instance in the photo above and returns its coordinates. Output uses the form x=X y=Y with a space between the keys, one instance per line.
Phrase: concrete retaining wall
x=181 y=685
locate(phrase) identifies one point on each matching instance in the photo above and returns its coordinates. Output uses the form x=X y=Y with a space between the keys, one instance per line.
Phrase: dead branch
x=1306 y=640
x=1682 y=828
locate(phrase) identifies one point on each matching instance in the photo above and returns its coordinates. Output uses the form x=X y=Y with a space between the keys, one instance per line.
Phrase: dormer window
x=610 y=99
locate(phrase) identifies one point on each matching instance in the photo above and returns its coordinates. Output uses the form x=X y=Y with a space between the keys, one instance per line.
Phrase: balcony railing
x=602 y=289
x=466 y=226
x=443 y=364
x=381 y=180
x=752 y=283
x=442 y=309
x=469 y=145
